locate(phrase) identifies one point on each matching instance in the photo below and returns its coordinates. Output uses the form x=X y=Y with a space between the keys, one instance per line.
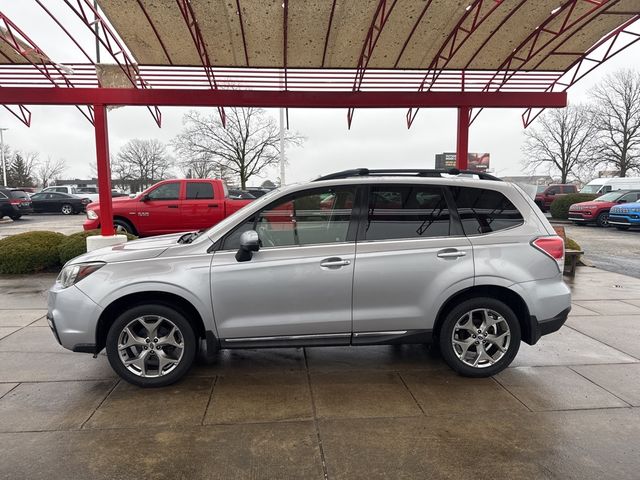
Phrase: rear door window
x=485 y=211
x=199 y=190
x=406 y=211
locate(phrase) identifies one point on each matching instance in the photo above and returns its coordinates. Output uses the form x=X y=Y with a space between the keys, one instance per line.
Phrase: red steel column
x=104 y=169
x=462 y=144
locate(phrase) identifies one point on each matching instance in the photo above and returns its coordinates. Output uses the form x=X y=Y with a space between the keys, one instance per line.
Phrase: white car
x=72 y=190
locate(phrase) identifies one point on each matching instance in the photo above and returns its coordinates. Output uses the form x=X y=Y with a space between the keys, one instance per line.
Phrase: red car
x=597 y=211
x=170 y=206
x=546 y=195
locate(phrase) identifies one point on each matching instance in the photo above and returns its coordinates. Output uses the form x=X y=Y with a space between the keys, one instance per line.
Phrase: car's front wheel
x=66 y=209
x=603 y=219
x=151 y=345
x=480 y=337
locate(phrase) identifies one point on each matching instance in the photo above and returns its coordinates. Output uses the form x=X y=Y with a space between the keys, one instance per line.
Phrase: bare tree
x=245 y=148
x=49 y=170
x=142 y=162
x=562 y=141
x=617 y=114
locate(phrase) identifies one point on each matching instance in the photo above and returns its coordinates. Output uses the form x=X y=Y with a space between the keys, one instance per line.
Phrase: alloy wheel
x=67 y=209
x=481 y=337
x=150 y=346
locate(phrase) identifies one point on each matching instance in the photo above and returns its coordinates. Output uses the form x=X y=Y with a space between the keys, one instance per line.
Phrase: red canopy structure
x=412 y=54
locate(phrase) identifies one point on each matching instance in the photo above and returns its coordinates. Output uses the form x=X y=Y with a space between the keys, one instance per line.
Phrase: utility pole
x=282 y=155
x=4 y=161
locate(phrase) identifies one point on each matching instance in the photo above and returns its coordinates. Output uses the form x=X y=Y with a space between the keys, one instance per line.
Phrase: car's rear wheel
x=66 y=209
x=151 y=345
x=123 y=227
x=480 y=337
x=603 y=219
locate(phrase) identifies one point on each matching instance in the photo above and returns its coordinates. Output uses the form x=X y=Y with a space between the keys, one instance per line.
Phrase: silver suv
x=362 y=257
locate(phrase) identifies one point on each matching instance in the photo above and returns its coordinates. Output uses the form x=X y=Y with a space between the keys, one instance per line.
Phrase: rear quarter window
x=485 y=211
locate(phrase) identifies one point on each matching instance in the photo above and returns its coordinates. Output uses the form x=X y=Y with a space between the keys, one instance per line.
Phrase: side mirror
x=145 y=198
x=249 y=243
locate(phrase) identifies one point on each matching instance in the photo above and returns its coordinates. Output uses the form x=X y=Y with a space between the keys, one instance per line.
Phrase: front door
x=159 y=211
x=410 y=257
x=298 y=286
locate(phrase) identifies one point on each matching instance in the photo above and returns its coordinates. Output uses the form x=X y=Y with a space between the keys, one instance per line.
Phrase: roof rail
x=365 y=172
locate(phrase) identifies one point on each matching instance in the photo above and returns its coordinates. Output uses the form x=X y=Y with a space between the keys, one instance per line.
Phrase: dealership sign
x=478 y=162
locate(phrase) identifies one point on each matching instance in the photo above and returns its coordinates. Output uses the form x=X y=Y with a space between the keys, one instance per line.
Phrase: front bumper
x=627 y=220
x=580 y=217
x=91 y=224
x=73 y=318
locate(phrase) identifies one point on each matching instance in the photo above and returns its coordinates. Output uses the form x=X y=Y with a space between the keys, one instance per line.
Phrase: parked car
x=597 y=211
x=169 y=206
x=240 y=195
x=73 y=190
x=605 y=185
x=257 y=192
x=14 y=203
x=546 y=196
x=625 y=216
x=50 y=202
x=470 y=264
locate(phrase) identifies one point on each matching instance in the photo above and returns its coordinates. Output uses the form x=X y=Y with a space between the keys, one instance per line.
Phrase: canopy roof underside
x=333 y=33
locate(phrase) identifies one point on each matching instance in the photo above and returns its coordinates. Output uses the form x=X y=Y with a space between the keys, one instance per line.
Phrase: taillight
x=16 y=201
x=553 y=247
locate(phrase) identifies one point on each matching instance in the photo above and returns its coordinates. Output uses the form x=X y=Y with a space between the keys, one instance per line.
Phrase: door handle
x=451 y=253
x=334 y=262
x=172 y=206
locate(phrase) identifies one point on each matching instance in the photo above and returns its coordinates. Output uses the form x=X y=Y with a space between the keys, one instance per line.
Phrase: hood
x=96 y=205
x=627 y=207
x=141 y=249
x=591 y=204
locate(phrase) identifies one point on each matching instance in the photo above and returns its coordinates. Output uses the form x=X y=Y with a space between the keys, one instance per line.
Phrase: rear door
x=411 y=255
x=200 y=208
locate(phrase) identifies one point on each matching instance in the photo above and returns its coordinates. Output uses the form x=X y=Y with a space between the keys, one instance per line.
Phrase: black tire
x=449 y=353
x=15 y=217
x=120 y=224
x=603 y=219
x=622 y=227
x=66 y=209
x=174 y=316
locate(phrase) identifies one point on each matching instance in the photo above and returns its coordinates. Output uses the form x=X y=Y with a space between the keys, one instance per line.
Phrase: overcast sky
x=377 y=139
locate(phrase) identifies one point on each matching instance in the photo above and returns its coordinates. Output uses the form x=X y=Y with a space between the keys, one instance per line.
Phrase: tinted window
x=485 y=211
x=18 y=194
x=406 y=211
x=168 y=191
x=553 y=191
x=38 y=196
x=199 y=190
x=305 y=218
x=629 y=197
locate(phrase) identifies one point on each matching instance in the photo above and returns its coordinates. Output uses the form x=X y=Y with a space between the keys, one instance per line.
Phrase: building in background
x=478 y=162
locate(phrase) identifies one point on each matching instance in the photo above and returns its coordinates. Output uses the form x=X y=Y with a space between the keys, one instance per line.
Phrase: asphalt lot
x=53 y=222
x=608 y=248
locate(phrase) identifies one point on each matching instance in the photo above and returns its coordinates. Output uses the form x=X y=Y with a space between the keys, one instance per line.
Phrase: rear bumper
x=548 y=325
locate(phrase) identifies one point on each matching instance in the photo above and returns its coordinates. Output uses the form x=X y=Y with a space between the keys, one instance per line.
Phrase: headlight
x=92 y=215
x=72 y=274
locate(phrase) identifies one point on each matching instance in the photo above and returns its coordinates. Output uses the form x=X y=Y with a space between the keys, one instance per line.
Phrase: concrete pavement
x=566 y=408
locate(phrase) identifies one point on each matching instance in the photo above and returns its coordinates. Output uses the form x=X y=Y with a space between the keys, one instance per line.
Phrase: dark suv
x=14 y=203
x=546 y=195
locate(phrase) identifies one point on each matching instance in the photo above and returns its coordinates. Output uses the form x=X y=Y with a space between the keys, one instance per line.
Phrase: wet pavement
x=567 y=408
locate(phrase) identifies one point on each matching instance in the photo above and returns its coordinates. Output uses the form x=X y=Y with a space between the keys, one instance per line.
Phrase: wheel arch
x=504 y=294
x=172 y=300
x=128 y=221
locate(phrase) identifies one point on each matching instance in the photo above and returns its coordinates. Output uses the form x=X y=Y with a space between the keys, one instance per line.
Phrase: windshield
x=609 y=197
x=541 y=188
x=590 y=188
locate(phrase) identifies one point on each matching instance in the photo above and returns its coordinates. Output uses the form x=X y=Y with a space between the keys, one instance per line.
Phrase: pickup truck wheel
x=480 y=337
x=66 y=209
x=603 y=219
x=151 y=345
x=123 y=227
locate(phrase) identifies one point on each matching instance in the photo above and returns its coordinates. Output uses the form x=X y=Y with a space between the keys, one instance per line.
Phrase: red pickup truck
x=169 y=206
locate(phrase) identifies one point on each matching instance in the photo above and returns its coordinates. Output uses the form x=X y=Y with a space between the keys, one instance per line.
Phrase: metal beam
x=277 y=98
x=104 y=170
x=378 y=22
x=91 y=17
x=201 y=48
x=462 y=140
x=613 y=43
x=452 y=44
